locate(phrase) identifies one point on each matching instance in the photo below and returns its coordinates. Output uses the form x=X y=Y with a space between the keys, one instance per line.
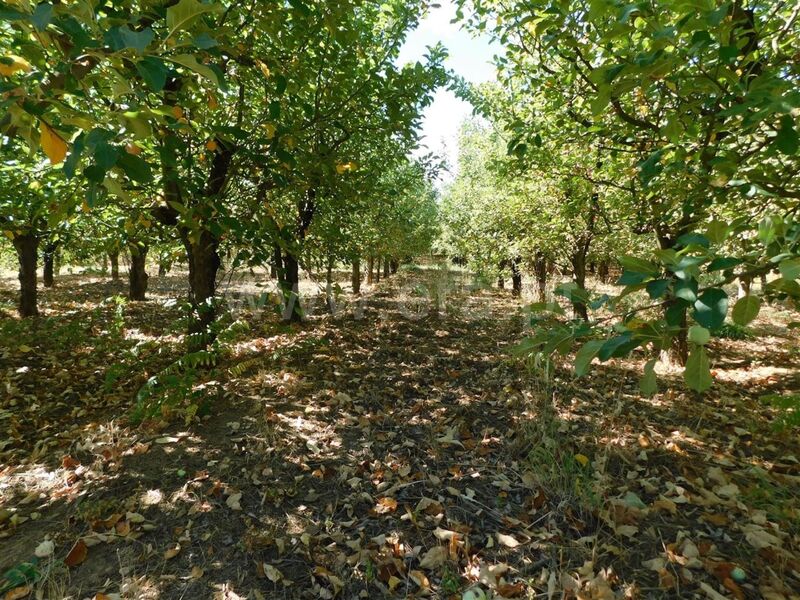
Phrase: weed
x=451 y=582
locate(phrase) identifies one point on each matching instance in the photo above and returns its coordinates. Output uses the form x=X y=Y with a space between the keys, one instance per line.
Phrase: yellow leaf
x=177 y=112
x=85 y=207
x=54 y=147
x=342 y=168
x=270 y=129
x=211 y=145
x=582 y=459
x=16 y=64
x=9 y=234
x=264 y=68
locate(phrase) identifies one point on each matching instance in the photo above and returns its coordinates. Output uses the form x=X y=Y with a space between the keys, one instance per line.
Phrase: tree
x=703 y=103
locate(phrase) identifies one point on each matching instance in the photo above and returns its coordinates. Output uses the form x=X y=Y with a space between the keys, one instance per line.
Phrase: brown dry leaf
x=123 y=528
x=393 y=582
x=433 y=558
x=511 y=590
x=666 y=505
x=197 y=572
x=420 y=579
x=77 y=554
x=234 y=501
x=19 y=592
x=507 y=540
x=385 y=505
x=666 y=580
x=69 y=463
x=171 y=553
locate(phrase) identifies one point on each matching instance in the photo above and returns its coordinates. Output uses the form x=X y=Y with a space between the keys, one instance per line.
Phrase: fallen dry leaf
x=77 y=554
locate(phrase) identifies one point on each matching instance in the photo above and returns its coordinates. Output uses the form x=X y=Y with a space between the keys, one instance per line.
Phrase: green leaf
x=746 y=309
x=657 y=288
x=790 y=269
x=153 y=71
x=585 y=355
x=710 y=308
x=184 y=13
x=697 y=374
x=699 y=335
x=698 y=239
x=190 y=62
x=648 y=385
x=638 y=265
x=42 y=16
x=787 y=140
x=722 y=263
x=105 y=155
x=686 y=289
x=554 y=307
x=120 y=38
x=135 y=168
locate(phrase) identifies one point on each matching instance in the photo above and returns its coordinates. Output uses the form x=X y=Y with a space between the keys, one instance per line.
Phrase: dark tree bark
x=356 y=279
x=540 y=270
x=329 y=299
x=276 y=267
x=137 y=275
x=48 y=260
x=386 y=268
x=204 y=262
x=113 y=257
x=578 y=260
x=603 y=271
x=27 y=247
x=516 y=278
x=370 y=270
x=378 y=269
x=394 y=265
x=679 y=349
x=291 y=289
x=501 y=278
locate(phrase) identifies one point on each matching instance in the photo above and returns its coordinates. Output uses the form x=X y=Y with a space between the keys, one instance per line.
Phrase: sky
x=470 y=57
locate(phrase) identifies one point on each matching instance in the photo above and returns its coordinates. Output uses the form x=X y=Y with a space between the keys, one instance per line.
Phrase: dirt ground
x=395 y=449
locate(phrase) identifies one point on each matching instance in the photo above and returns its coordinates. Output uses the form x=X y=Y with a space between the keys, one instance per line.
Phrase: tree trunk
x=386 y=268
x=394 y=265
x=48 y=258
x=356 y=280
x=540 y=269
x=27 y=247
x=516 y=278
x=578 y=260
x=679 y=349
x=137 y=275
x=501 y=279
x=370 y=269
x=743 y=286
x=602 y=271
x=276 y=267
x=273 y=268
x=204 y=262
x=291 y=289
x=678 y=352
x=378 y=269
x=114 y=259
x=329 y=299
